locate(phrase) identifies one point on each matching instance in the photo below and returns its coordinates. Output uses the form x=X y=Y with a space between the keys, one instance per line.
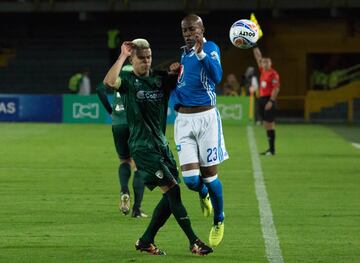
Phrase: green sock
x=138 y=186
x=124 y=176
x=179 y=212
x=161 y=213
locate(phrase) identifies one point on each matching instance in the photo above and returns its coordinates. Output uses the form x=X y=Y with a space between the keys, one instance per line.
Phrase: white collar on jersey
x=184 y=48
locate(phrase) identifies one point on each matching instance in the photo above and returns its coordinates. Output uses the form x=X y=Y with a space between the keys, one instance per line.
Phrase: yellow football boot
x=216 y=234
x=206 y=206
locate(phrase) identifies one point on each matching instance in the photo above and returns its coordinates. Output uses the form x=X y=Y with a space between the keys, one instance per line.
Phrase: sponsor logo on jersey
x=150 y=95
x=180 y=81
x=159 y=174
x=181 y=73
x=88 y=110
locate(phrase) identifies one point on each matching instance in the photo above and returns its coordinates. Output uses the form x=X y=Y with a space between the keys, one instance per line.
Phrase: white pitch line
x=356 y=145
x=272 y=245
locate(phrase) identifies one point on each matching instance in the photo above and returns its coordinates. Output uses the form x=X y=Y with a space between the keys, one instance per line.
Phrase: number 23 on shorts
x=212 y=154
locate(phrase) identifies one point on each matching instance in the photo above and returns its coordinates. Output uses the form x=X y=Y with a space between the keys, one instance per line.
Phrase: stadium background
x=58 y=182
x=44 y=42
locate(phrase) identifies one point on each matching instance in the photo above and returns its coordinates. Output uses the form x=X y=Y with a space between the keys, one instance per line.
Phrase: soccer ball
x=243 y=34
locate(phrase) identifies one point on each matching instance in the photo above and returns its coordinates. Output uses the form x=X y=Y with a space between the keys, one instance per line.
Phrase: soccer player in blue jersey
x=198 y=129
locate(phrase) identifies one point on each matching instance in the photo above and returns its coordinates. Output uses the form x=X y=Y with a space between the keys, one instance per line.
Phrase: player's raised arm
x=257 y=55
x=210 y=60
x=112 y=79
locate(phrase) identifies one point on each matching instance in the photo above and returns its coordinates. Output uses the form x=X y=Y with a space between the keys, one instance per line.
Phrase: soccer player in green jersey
x=121 y=133
x=145 y=96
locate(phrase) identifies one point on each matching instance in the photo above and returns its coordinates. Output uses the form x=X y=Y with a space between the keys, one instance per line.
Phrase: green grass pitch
x=59 y=196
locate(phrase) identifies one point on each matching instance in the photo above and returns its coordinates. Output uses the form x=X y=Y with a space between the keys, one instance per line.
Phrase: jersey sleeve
x=275 y=81
x=102 y=94
x=211 y=62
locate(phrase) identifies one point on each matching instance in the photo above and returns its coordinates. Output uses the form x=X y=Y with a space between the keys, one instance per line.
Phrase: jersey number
x=212 y=155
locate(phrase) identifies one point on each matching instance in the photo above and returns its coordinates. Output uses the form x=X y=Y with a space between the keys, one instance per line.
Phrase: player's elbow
x=109 y=84
x=217 y=78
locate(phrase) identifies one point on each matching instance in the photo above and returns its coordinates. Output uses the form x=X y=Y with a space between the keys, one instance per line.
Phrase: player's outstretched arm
x=257 y=55
x=112 y=79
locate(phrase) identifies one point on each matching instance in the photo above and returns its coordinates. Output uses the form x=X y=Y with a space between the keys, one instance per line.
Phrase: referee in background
x=269 y=90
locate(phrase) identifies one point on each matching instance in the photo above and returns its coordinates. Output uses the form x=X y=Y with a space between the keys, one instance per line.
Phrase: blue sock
x=196 y=184
x=216 y=196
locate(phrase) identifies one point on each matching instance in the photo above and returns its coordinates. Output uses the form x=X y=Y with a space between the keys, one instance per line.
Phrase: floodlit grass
x=59 y=193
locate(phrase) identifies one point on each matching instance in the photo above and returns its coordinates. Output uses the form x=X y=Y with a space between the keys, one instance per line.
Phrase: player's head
x=191 y=26
x=141 y=57
x=266 y=63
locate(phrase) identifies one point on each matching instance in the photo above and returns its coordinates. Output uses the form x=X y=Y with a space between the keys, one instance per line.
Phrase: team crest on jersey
x=159 y=174
x=158 y=82
x=214 y=55
x=137 y=83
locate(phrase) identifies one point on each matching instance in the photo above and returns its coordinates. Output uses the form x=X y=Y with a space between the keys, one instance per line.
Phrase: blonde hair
x=141 y=43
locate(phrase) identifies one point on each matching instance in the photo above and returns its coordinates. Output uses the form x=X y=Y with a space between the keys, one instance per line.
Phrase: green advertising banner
x=88 y=109
x=234 y=110
x=83 y=109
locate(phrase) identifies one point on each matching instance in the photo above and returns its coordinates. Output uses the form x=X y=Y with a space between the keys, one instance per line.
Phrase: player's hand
x=199 y=43
x=126 y=48
x=174 y=68
x=269 y=105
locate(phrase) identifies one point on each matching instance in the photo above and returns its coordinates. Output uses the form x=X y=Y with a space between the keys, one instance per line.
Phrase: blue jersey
x=197 y=78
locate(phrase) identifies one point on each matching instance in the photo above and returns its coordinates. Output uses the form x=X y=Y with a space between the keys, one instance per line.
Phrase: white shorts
x=199 y=138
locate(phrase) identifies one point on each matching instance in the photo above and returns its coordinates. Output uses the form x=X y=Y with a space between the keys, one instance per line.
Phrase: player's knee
x=192 y=182
x=192 y=179
x=125 y=160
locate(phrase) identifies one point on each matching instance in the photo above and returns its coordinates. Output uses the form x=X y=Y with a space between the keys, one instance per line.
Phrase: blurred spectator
x=231 y=86
x=250 y=88
x=319 y=80
x=114 y=40
x=80 y=83
x=85 y=85
x=250 y=82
